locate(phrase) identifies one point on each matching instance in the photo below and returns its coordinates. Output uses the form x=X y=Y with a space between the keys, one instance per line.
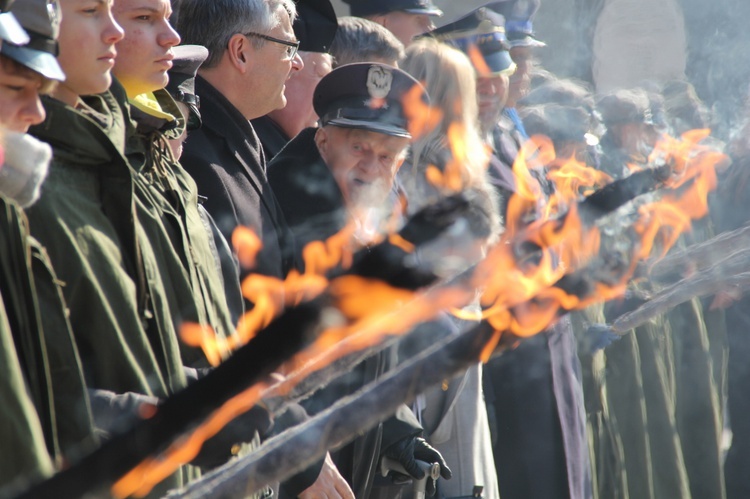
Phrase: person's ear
x=321 y=141
x=240 y=53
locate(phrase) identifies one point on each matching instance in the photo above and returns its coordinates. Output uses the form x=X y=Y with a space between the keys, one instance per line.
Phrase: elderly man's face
x=364 y=163
x=492 y=94
x=272 y=69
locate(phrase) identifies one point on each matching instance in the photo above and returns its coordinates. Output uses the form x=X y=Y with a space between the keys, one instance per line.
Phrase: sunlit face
x=363 y=163
x=406 y=26
x=88 y=35
x=299 y=113
x=145 y=54
x=271 y=69
x=20 y=106
x=492 y=94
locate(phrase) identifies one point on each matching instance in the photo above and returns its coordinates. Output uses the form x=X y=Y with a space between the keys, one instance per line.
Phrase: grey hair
x=362 y=40
x=212 y=23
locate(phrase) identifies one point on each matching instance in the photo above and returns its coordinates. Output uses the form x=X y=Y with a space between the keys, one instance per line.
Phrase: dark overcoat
x=226 y=160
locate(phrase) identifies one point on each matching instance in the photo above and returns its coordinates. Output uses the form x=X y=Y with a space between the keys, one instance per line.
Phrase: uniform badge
x=379 y=80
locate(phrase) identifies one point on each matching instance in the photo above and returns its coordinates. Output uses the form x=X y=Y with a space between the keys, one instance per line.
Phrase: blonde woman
x=449 y=158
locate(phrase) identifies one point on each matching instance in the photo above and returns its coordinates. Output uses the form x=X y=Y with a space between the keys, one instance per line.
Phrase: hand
x=407 y=450
x=598 y=337
x=329 y=485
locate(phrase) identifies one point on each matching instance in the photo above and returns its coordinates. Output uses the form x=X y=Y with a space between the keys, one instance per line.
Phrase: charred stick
x=181 y=412
x=700 y=256
x=620 y=192
x=732 y=272
x=298 y=447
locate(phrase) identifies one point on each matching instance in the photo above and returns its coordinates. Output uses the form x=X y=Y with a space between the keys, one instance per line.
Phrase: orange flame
x=518 y=295
x=247 y=244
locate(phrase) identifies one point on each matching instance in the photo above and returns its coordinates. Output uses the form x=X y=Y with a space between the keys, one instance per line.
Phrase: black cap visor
x=43 y=63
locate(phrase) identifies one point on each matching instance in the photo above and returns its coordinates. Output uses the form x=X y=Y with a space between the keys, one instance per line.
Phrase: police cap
x=367 y=96
x=481 y=32
x=519 y=26
x=10 y=30
x=361 y=8
x=187 y=60
x=41 y=21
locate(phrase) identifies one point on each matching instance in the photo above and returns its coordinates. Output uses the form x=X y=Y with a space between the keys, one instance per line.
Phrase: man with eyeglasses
x=252 y=52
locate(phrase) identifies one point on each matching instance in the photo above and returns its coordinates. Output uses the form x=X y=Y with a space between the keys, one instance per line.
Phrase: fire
x=519 y=278
x=247 y=244
x=421 y=117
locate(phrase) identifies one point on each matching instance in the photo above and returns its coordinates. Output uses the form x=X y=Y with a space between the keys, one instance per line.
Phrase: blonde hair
x=450 y=80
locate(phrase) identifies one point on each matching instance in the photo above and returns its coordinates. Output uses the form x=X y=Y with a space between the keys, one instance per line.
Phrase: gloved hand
x=407 y=450
x=218 y=449
x=598 y=337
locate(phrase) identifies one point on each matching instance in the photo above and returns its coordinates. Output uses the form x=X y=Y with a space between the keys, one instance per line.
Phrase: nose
x=31 y=112
x=168 y=37
x=297 y=63
x=112 y=32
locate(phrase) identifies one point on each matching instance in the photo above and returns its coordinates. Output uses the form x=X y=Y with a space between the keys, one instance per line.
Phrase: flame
x=141 y=479
x=520 y=292
x=247 y=244
x=421 y=117
x=477 y=60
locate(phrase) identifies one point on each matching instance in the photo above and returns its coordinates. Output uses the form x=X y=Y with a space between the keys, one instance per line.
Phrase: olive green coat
x=167 y=206
x=111 y=280
x=43 y=390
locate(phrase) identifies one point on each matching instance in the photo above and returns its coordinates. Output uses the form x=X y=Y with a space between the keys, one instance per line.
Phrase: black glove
x=407 y=450
x=218 y=449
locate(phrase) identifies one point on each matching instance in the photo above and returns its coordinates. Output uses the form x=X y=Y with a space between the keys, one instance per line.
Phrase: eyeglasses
x=291 y=47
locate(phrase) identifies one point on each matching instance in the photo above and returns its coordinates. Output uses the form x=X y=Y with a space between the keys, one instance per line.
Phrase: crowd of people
x=138 y=135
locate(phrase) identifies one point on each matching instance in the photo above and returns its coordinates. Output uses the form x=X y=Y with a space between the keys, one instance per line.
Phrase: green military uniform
x=47 y=363
x=167 y=206
x=112 y=284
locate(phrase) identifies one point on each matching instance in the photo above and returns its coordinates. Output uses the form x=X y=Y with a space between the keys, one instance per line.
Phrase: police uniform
x=361 y=96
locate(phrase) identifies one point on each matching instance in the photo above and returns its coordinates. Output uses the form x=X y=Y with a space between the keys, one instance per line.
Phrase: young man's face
x=88 y=35
x=364 y=163
x=20 y=106
x=145 y=54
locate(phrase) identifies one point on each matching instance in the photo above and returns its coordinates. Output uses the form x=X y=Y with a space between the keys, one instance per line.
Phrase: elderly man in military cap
x=404 y=18
x=315 y=28
x=325 y=177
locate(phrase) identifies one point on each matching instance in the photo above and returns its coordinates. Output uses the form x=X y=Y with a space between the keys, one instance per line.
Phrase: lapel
x=224 y=121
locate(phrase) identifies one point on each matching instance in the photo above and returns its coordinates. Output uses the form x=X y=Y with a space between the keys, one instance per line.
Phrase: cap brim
x=11 y=31
x=372 y=126
x=499 y=62
x=434 y=11
x=526 y=41
x=43 y=63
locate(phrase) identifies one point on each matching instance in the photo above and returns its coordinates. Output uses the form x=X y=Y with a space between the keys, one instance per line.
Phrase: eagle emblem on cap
x=379 y=81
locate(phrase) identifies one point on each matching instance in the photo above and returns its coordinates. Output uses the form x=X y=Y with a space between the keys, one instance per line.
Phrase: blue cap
x=519 y=26
x=367 y=96
x=481 y=31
